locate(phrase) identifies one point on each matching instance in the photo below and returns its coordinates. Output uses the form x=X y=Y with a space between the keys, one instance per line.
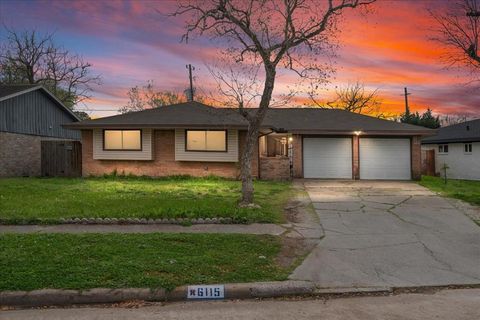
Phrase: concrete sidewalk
x=389 y=234
x=301 y=230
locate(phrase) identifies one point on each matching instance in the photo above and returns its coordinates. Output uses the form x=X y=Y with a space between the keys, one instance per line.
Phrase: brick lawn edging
x=174 y=221
x=148 y=221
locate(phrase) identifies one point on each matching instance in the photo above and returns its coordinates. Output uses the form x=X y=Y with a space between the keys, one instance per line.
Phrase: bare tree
x=148 y=97
x=291 y=34
x=459 y=31
x=30 y=58
x=353 y=98
x=449 y=120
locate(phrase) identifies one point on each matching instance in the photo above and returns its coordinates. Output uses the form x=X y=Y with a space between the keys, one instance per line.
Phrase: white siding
x=230 y=156
x=461 y=165
x=385 y=159
x=327 y=158
x=144 y=154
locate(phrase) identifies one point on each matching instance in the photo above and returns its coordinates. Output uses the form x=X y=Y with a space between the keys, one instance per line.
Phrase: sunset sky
x=129 y=43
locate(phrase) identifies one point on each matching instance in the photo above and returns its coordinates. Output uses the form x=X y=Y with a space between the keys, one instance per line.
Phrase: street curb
x=60 y=297
x=256 y=290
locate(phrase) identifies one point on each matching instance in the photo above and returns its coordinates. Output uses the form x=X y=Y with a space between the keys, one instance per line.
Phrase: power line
x=90 y=109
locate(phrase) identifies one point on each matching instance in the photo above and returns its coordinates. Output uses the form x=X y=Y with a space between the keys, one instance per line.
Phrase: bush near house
x=46 y=200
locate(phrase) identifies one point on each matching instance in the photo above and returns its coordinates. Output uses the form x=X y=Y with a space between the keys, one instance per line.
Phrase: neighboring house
x=458 y=147
x=28 y=115
x=194 y=139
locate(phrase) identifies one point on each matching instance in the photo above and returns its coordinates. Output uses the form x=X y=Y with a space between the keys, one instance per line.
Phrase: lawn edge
x=445 y=194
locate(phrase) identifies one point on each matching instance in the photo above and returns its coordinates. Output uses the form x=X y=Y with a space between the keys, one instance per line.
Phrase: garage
x=385 y=159
x=327 y=158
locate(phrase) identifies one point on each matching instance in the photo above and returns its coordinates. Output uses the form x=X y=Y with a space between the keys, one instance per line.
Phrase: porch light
x=290 y=139
x=357 y=133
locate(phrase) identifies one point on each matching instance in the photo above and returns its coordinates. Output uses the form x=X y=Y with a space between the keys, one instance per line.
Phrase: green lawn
x=466 y=190
x=49 y=199
x=35 y=261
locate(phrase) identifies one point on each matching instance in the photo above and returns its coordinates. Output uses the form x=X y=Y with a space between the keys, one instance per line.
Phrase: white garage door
x=387 y=159
x=329 y=158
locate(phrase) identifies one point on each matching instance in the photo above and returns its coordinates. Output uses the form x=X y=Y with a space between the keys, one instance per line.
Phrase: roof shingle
x=468 y=131
x=301 y=120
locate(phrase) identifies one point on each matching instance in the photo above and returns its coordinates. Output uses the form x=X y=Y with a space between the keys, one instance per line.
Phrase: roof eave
x=453 y=140
x=80 y=126
x=61 y=104
x=366 y=132
x=18 y=93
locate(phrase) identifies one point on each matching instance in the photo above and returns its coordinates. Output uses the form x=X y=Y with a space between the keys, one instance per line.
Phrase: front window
x=122 y=140
x=468 y=148
x=443 y=148
x=206 y=140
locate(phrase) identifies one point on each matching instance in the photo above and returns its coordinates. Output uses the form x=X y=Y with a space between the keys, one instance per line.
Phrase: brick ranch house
x=29 y=114
x=195 y=139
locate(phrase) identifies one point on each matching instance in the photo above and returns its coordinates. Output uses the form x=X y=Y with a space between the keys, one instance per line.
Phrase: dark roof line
x=8 y=91
x=468 y=131
x=196 y=114
x=13 y=90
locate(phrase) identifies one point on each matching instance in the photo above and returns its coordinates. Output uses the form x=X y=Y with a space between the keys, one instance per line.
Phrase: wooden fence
x=61 y=158
x=428 y=162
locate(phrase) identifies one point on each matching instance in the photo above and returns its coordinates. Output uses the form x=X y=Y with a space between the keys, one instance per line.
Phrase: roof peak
x=9 y=91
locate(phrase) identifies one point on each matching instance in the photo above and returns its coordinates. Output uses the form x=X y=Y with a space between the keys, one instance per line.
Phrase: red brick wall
x=163 y=163
x=20 y=154
x=356 y=157
x=416 y=157
x=297 y=156
x=272 y=168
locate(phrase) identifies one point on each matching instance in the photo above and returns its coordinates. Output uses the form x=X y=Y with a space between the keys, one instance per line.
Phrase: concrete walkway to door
x=389 y=234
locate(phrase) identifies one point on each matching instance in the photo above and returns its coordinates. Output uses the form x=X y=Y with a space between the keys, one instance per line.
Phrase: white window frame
x=468 y=148
x=441 y=148
x=122 y=148
x=206 y=143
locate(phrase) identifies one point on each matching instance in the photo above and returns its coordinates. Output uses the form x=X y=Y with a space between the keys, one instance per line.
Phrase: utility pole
x=190 y=68
x=407 y=109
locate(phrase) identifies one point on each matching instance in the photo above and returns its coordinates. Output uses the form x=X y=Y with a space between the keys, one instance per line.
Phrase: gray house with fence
x=31 y=117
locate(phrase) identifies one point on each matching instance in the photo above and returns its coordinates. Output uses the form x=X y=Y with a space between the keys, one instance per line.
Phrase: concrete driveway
x=389 y=234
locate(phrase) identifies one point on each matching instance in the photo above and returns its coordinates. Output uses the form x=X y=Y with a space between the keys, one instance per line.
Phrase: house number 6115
x=206 y=292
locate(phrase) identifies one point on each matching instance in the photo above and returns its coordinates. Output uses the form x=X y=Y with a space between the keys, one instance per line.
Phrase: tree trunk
x=252 y=137
x=246 y=165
